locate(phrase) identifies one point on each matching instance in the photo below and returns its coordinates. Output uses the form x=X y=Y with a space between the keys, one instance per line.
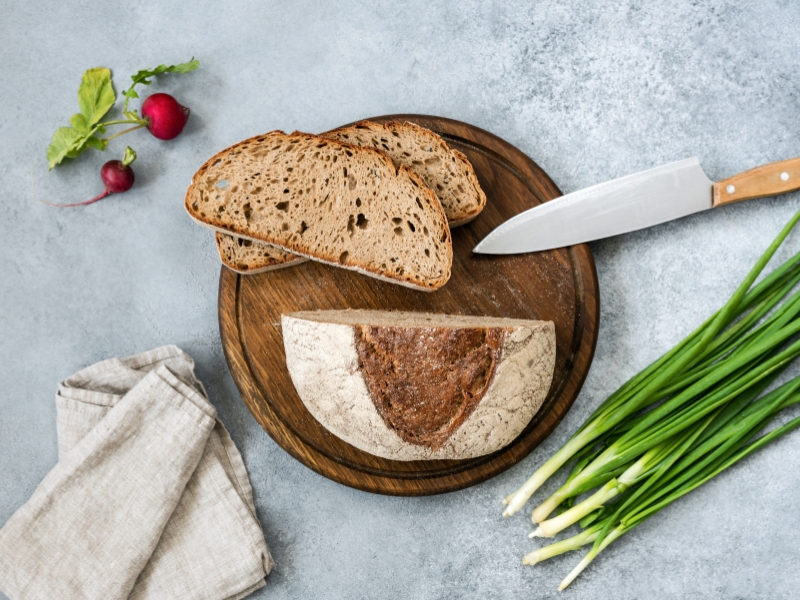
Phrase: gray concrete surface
x=589 y=90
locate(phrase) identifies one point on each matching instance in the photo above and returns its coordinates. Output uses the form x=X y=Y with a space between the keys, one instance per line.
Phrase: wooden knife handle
x=766 y=180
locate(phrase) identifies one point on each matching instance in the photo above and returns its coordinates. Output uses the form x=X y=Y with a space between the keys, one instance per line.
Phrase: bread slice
x=249 y=257
x=443 y=169
x=328 y=201
x=412 y=386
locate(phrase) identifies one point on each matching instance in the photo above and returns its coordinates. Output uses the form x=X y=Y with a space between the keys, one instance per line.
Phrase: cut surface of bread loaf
x=328 y=201
x=249 y=257
x=414 y=386
x=444 y=170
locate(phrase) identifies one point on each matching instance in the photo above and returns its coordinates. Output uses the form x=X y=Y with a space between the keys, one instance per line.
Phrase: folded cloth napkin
x=149 y=500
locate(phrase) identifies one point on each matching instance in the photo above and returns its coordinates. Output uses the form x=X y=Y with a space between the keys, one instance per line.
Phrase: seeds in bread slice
x=249 y=257
x=328 y=201
x=443 y=169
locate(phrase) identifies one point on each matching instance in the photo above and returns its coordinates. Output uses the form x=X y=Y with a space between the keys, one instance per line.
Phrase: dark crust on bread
x=406 y=278
x=425 y=382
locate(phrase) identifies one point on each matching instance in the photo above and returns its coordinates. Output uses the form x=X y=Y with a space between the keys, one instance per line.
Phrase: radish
x=165 y=117
x=161 y=113
x=117 y=176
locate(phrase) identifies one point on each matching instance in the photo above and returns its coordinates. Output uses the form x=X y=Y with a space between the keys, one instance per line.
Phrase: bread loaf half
x=412 y=386
x=443 y=169
x=328 y=201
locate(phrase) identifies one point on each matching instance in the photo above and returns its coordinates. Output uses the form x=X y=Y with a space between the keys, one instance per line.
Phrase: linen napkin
x=149 y=500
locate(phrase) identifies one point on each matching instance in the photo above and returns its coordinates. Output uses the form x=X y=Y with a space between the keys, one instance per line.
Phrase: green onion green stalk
x=687 y=417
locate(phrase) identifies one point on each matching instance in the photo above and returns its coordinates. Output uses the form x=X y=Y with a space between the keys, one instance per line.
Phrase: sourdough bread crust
x=198 y=205
x=324 y=365
x=459 y=191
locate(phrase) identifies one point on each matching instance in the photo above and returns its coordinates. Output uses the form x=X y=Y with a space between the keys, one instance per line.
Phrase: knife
x=634 y=202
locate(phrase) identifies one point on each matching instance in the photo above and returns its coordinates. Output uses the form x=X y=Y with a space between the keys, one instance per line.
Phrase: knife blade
x=634 y=202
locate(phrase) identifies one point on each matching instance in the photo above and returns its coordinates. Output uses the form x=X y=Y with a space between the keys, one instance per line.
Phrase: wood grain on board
x=559 y=286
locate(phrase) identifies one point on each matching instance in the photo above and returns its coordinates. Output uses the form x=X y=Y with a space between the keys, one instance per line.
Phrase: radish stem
x=92 y=201
x=124 y=131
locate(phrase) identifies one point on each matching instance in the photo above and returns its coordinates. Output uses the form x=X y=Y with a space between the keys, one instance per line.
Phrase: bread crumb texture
x=328 y=201
x=248 y=257
x=445 y=171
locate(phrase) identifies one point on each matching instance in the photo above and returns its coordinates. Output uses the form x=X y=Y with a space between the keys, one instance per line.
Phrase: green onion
x=684 y=419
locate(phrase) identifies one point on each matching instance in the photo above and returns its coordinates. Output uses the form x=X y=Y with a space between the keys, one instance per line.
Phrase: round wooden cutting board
x=559 y=286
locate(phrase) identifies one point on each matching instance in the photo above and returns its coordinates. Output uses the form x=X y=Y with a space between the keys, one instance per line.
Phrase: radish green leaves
x=145 y=75
x=95 y=98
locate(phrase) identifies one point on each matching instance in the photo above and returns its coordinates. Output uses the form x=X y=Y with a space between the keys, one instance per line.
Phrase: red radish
x=117 y=176
x=166 y=118
x=161 y=113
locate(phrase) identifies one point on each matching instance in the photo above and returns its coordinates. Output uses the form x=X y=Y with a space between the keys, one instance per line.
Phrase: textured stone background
x=589 y=90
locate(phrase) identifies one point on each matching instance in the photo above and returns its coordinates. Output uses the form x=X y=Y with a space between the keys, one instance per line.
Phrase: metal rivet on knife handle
x=767 y=180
